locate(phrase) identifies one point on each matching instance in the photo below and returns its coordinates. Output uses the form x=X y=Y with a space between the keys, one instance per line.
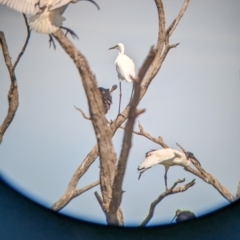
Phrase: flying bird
x=183 y=216
x=106 y=97
x=47 y=14
x=125 y=69
x=167 y=157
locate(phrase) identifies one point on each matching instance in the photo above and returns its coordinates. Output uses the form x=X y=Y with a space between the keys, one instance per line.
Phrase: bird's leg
x=73 y=34
x=51 y=41
x=120 y=96
x=165 y=177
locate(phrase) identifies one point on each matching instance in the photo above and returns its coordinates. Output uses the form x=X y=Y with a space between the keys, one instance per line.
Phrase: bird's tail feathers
x=46 y=22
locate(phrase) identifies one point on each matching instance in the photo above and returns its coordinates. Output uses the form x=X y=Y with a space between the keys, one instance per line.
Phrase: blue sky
x=194 y=100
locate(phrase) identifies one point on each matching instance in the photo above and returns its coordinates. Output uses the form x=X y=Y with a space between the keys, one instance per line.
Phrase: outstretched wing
x=23 y=6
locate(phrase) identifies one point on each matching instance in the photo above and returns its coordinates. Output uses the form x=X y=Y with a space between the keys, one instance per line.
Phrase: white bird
x=125 y=68
x=47 y=14
x=167 y=157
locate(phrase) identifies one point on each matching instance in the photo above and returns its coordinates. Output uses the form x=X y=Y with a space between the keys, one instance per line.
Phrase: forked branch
x=170 y=191
x=13 y=100
x=175 y=22
x=102 y=131
x=74 y=193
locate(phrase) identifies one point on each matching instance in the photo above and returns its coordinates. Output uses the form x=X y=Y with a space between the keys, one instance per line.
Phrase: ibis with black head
x=167 y=157
x=183 y=215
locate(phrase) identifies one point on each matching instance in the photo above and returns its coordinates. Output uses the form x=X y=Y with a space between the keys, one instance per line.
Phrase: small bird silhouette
x=183 y=216
x=106 y=97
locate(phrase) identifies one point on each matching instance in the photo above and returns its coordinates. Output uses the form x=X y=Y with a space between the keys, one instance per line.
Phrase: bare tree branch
x=83 y=114
x=13 y=100
x=100 y=201
x=86 y=188
x=208 y=178
x=175 y=22
x=170 y=191
x=142 y=132
x=13 y=91
x=25 y=44
x=74 y=193
x=158 y=140
x=102 y=131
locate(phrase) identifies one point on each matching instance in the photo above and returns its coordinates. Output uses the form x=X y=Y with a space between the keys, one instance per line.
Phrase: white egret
x=106 y=97
x=167 y=157
x=183 y=216
x=47 y=14
x=125 y=68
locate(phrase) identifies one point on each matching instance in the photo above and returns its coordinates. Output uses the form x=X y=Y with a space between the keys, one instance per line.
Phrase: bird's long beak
x=174 y=218
x=112 y=47
x=114 y=87
x=93 y=3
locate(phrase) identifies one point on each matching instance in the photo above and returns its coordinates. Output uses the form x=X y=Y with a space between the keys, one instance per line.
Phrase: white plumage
x=47 y=14
x=167 y=157
x=125 y=68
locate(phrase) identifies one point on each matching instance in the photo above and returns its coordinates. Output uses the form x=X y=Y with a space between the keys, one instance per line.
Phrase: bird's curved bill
x=93 y=3
x=112 y=47
x=114 y=87
x=141 y=171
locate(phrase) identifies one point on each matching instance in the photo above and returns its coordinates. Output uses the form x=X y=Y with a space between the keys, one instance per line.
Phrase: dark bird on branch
x=167 y=157
x=183 y=216
x=106 y=97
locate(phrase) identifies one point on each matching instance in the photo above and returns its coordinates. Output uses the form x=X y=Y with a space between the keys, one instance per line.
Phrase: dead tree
x=112 y=170
x=111 y=175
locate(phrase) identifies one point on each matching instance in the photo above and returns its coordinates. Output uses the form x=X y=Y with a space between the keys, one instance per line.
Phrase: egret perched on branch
x=167 y=157
x=47 y=14
x=125 y=68
x=183 y=216
x=106 y=97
